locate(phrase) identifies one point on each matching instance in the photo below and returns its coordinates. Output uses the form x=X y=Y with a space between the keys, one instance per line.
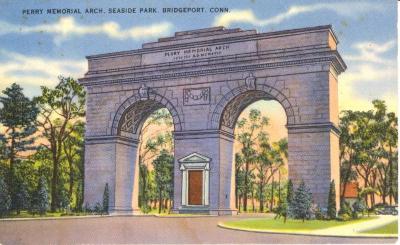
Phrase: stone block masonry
x=205 y=78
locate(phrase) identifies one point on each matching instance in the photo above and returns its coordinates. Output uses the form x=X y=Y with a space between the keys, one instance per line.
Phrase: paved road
x=118 y=230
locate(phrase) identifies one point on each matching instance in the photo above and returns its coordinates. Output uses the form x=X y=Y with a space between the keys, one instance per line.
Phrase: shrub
x=86 y=208
x=145 y=209
x=98 y=209
x=318 y=213
x=345 y=212
x=359 y=207
x=344 y=217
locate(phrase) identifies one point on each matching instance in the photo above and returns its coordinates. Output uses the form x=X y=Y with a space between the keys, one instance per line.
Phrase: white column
x=184 y=187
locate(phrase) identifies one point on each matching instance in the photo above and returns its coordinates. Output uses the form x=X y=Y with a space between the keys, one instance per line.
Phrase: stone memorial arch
x=205 y=78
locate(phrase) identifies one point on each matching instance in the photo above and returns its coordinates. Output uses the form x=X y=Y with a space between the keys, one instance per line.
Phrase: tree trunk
x=272 y=194
x=390 y=163
x=159 y=201
x=239 y=203
x=252 y=201
x=261 y=199
x=11 y=173
x=246 y=188
x=165 y=204
x=71 y=179
x=279 y=186
x=236 y=189
x=54 y=184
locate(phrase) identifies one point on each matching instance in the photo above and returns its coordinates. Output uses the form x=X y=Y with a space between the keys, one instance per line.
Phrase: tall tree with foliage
x=332 y=201
x=73 y=149
x=282 y=149
x=348 y=145
x=18 y=115
x=61 y=109
x=163 y=169
x=385 y=126
x=5 y=199
x=268 y=163
x=249 y=130
x=154 y=137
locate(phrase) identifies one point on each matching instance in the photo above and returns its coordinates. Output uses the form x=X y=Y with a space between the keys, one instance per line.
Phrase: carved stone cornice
x=333 y=59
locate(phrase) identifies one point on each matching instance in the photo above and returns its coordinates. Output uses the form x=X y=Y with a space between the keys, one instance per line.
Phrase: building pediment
x=195 y=158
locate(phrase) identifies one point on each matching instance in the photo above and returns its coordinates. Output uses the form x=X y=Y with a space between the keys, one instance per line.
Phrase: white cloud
x=370 y=75
x=67 y=27
x=36 y=71
x=370 y=52
x=247 y=16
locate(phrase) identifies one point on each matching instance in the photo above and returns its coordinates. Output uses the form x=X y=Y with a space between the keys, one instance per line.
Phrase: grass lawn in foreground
x=270 y=224
x=25 y=214
x=391 y=228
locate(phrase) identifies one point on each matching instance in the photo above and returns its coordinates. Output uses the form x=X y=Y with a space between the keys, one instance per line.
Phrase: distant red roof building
x=351 y=190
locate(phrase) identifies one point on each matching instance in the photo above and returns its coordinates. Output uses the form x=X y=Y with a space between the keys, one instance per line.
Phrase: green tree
x=5 y=199
x=21 y=196
x=269 y=161
x=154 y=137
x=17 y=114
x=282 y=148
x=249 y=129
x=61 y=109
x=42 y=197
x=348 y=145
x=385 y=127
x=106 y=199
x=302 y=202
x=73 y=149
x=290 y=198
x=163 y=170
x=332 y=201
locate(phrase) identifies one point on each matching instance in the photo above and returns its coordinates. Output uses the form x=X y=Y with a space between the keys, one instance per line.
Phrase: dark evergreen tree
x=18 y=115
x=289 y=199
x=5 y=199
x=332 y=201
x=42 y=196
x=106 y=199
x=21 y=197
x=302 y=202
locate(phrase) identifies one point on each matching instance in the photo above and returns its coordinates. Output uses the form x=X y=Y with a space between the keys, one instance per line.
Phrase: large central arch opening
x=260 y=148
x=155 y=159
x=144 y=167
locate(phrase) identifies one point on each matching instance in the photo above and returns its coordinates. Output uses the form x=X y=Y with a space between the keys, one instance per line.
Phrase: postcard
x=191 y=122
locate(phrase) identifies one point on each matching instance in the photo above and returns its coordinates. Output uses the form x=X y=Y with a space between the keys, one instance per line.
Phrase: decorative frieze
x=196 y=96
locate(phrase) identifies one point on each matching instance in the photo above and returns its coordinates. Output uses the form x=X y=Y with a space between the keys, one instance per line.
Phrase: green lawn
x=25 y=214
x=271 y=224
x=391 y=228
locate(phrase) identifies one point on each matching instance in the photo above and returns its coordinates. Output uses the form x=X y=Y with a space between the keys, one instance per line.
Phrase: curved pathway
x=149 y=229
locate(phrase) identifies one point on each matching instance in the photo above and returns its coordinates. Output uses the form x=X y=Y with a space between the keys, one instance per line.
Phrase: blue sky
x=34 y=49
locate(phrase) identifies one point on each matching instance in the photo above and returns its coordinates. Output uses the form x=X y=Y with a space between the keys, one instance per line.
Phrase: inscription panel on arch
x=199 y=52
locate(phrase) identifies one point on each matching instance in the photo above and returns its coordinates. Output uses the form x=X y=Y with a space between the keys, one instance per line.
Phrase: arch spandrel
x=233 y=102
x=134 y=110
